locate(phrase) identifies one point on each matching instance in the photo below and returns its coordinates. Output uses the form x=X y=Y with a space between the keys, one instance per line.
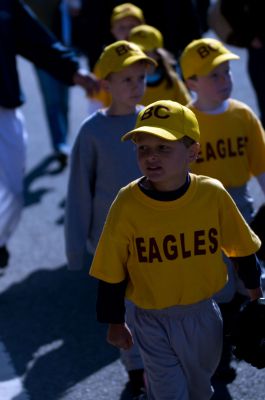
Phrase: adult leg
x=131 y=358
x=12 y=168
x=56 y=98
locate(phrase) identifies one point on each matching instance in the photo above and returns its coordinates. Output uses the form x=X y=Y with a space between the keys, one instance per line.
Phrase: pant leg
x=229 y=312
x=165 y=376
x=234 y=287
x=181 y=347
x=131 y=358
x=56 y=98
x=13 y=138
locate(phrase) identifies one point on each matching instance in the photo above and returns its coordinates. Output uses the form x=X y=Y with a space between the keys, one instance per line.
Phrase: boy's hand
x=119 y=335
x=87 y=81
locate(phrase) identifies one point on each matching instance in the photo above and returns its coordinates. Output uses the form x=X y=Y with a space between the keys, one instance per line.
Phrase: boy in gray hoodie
x=101 y=165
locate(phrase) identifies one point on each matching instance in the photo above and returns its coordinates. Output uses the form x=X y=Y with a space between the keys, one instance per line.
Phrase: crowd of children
x=158 y=207
x=173 y=250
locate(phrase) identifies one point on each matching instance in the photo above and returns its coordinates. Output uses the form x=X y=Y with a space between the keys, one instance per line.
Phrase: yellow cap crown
x=119 y=55
x=166 y=119
x=126 y=10
x=201 y=56
x=147 y=37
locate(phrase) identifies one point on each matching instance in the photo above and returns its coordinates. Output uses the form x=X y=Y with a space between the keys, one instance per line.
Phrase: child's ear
x=191 y=84
x=194 y=150
x=104 y=84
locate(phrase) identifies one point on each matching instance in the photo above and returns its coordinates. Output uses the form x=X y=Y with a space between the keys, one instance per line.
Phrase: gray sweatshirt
x=100 y=165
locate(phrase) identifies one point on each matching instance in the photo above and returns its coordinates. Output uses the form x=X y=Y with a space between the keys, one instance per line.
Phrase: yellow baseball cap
x=119 y=55
x=147 y=37
x=126 y=10
x=166 y=119
x=201 y=56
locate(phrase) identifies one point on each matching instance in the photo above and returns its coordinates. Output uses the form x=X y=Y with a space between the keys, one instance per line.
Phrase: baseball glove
x=248 y=333
x=258 y=226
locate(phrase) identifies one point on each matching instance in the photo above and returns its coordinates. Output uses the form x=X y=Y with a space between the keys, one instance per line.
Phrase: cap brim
x=133 y=59
x=219 y=60
x=126 y=63
x=152 y=130
x=122 y=15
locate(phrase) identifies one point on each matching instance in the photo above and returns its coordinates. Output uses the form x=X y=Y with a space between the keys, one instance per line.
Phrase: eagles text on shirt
x=173 y=246
x=223 y=148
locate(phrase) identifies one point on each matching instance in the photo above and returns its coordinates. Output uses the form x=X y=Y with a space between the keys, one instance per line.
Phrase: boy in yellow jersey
x=123 y=18
x=161 y=247
x=232 y=149
x=162 y=81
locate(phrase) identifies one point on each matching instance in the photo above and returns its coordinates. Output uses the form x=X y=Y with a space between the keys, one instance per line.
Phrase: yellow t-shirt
x=232 y=145
x=177 y=92
x=171 y=251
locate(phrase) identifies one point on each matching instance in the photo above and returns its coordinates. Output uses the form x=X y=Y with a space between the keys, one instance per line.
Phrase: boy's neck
x=146 y=187
x=164 y=187
x=210 y=107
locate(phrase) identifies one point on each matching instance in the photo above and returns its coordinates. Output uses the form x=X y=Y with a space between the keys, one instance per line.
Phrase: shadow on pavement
x=60 y=220
x=48 y=326
x=48 y=166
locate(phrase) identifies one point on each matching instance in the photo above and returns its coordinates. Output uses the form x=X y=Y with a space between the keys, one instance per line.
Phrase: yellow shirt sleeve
x=237 y=239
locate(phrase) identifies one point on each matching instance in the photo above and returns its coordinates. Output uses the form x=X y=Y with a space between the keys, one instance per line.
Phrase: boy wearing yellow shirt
x=123 y=18
x=161 y=247
x=232 y=149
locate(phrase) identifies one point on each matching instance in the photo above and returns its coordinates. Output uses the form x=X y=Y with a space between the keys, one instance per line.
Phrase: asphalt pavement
x=51 y=347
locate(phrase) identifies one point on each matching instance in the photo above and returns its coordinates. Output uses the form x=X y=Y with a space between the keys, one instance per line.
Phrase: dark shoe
x=4 y=257
x=225 y=375
x=62 y=158
x=136 y=383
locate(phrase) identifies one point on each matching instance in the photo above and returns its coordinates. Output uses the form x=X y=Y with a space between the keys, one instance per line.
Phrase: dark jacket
x=22 y=34
x=246 y=18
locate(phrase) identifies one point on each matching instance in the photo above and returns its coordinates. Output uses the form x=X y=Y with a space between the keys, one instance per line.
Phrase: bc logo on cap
x=205 y=51
x=123 y=49
x=155 y=112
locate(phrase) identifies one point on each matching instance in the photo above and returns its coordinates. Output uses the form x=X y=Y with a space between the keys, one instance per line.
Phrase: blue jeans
x=56 y=98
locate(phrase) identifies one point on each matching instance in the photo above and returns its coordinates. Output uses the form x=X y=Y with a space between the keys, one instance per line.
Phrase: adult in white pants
x=21 y=33
x=13 y=138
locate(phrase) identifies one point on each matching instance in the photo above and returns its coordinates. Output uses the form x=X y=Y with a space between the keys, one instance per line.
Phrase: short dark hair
x=187 y=141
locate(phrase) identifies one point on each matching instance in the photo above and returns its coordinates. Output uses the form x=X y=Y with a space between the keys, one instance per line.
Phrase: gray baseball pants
x=181 y=348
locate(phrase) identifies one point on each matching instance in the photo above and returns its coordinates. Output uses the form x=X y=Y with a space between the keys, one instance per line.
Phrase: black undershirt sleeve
x=110 y=302
x=249 y=270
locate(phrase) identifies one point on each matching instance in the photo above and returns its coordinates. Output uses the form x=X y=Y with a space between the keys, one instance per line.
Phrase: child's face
x=165 y=163
x=127 y=86
x=122 y=27
x=215 y=87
